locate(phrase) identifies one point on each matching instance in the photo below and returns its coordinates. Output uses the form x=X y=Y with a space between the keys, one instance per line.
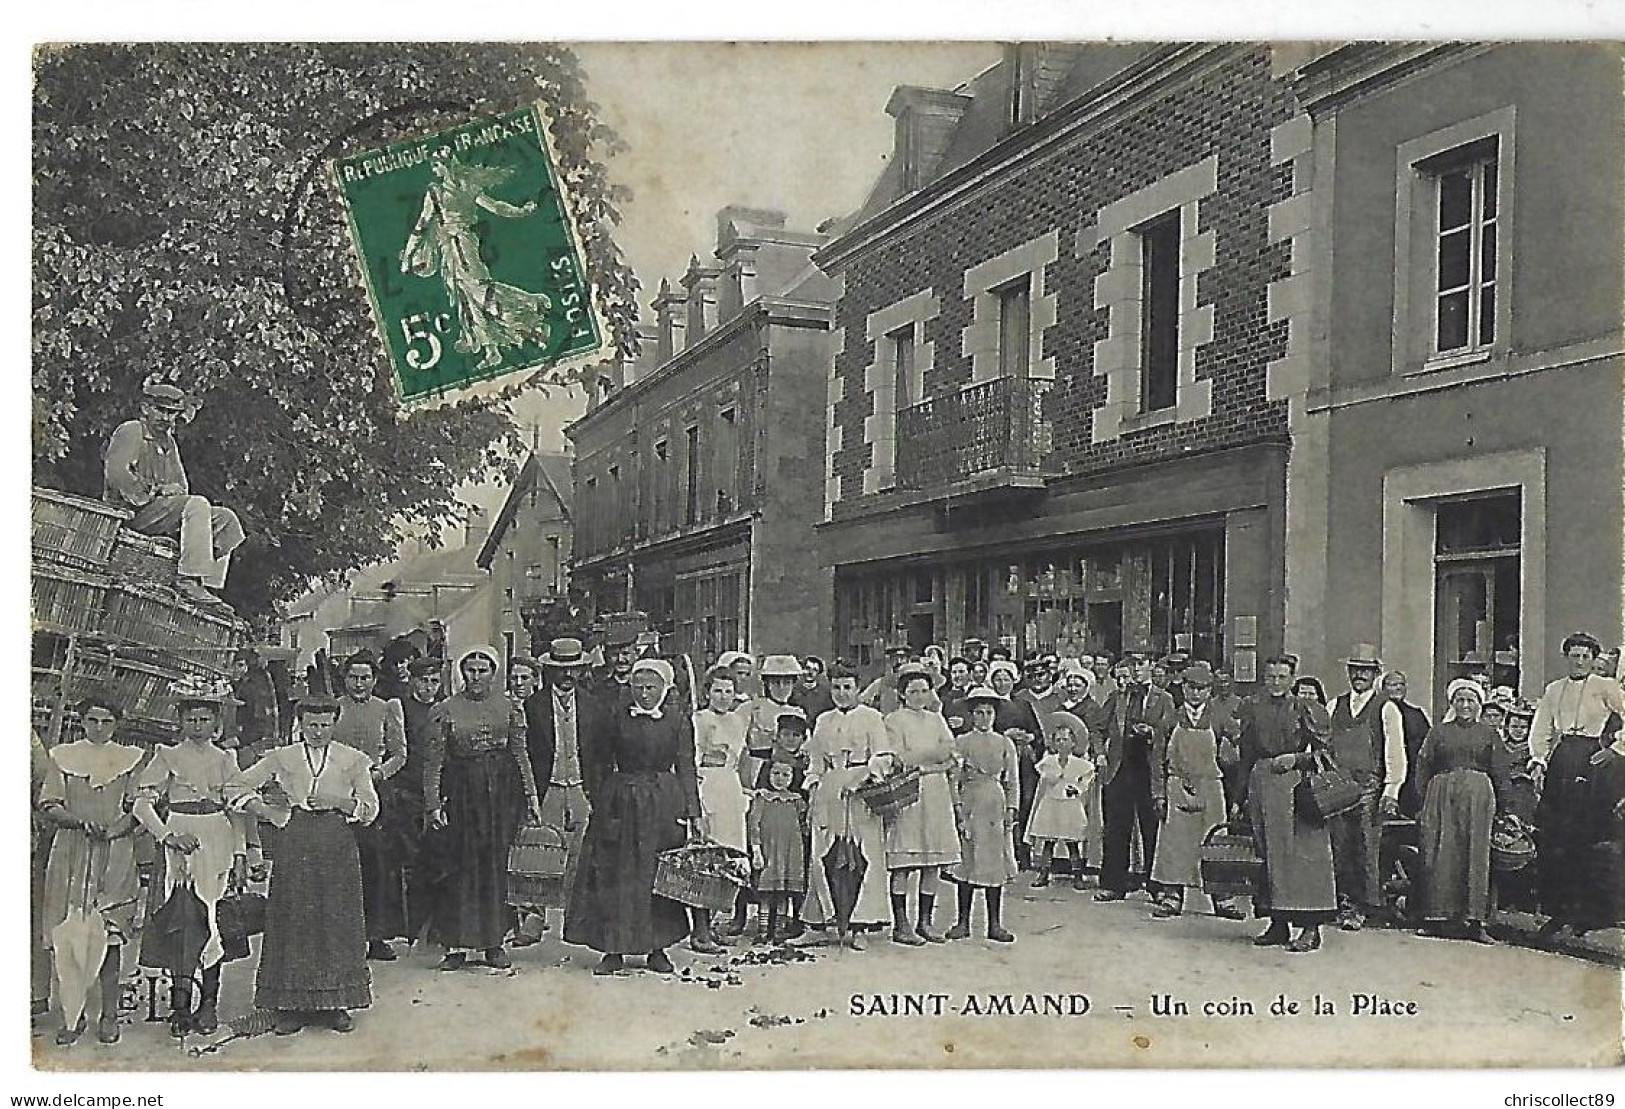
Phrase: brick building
x=1456 y=222
x=1051 y=411
x=527 y=554
x=698 y=466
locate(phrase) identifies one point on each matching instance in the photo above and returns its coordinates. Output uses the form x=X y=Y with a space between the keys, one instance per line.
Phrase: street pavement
x=1102 y=985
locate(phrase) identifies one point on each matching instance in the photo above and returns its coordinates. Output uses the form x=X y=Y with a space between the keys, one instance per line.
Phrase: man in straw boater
x=1368 y=742
x=565 y=722
x=143 y=473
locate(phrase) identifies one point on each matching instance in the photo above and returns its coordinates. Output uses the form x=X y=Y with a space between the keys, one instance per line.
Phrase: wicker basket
x=91 y=675
x=1512 y=846
x=74 y=530
x=66 y=599
x=142 y=689
x=1230 y=862
x=890 y=796
x=154 y=615
x=704 y=876
x=137 y=557
x=536 y=864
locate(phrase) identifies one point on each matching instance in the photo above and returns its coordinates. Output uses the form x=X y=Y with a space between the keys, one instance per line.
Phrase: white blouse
x=313 y=779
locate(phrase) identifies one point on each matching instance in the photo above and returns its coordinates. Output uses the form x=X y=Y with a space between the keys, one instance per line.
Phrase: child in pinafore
x=987 y=794
x=775 y=827
x=1059 y=816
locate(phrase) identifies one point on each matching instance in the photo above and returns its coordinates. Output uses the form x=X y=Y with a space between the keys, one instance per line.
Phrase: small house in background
x=405 y=595
x=527 y=555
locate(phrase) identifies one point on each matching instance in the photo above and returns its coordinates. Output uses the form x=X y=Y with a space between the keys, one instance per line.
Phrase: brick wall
x=1227 y=112
x=791 y=593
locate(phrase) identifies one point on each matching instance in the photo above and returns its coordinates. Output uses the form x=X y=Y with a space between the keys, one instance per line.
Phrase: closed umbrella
x=844 y=867
x=79 y=943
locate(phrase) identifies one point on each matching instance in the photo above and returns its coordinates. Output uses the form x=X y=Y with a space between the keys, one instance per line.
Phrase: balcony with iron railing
x=992 y=435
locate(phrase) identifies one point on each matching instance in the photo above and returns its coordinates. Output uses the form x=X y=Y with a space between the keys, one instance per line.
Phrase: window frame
x=1160 y=240
x=1421 y=163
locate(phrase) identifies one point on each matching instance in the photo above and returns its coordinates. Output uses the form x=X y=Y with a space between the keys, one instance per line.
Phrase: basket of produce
x=1230 y=862
x=702 y=875
x=137 y=557
x=67 y=599
x=890 y=796
x=73 y=530
x=1512 y=845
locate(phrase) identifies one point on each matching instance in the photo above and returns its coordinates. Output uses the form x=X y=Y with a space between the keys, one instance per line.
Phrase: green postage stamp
x=470 y=255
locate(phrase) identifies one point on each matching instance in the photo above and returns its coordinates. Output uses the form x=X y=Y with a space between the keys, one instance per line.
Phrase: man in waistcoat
x=1368 y=742
x=1396 y=688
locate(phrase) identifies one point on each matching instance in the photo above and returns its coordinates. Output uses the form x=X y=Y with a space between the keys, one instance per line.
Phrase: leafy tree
x=186 y=225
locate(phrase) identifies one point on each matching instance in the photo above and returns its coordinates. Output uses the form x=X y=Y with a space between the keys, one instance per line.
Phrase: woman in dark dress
x=477 y=783
x=641 y=782
x=1015 y=718
x=1278 y=735
x=1463 y=768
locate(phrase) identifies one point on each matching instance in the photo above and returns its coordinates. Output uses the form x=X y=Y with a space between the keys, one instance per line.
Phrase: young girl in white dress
x=1058 y=815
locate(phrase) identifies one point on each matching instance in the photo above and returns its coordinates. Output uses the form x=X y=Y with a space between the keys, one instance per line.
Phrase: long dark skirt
x=313 y=956
x=388 y=846
x=466 y=862
x=1455 y=840
x=1298 y=884
x=1564 y=834
x=613 y=908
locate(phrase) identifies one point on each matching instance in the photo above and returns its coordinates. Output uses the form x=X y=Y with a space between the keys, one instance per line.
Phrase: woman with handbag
x=91 y=869
x=643 y=788
x=922 y=838
x=1279 y=737
x=1462 y=769
x=1191 y=799
x=313 y=966
x=202 y=849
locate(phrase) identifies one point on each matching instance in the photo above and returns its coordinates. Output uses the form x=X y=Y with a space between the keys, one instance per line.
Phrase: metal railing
x=997 y=425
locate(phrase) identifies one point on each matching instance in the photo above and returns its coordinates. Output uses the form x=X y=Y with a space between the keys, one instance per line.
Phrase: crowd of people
x=854 y=808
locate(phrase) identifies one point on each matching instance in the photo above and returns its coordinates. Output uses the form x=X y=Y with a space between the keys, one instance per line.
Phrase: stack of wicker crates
x=110 y=592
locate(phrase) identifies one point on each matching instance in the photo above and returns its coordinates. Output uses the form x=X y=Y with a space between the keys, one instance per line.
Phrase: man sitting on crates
x=144 y=474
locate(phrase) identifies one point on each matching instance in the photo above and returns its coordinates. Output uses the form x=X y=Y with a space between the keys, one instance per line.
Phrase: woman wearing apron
x=201 y=845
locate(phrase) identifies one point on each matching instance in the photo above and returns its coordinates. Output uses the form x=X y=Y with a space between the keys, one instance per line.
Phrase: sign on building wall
x=470 y=254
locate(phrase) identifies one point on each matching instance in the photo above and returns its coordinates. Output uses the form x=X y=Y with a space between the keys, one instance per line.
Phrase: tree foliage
x=186 y=226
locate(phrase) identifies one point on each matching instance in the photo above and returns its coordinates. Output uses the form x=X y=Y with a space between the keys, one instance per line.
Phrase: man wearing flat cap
x=143 y=473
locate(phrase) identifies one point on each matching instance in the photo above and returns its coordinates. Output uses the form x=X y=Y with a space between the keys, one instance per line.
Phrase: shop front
x=1171 y=556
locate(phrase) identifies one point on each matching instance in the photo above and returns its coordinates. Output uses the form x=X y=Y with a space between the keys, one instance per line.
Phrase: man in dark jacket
x=562 y=721
x=1139 y=718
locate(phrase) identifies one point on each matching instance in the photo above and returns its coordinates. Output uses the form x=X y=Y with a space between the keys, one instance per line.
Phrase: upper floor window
x=1159 y=312
x=901 y=342
x=1015 y=327
x=1452 y=234
x=691 y=475
x=1465 y=184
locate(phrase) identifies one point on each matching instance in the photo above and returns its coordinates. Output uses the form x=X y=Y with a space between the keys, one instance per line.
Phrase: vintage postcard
x=917 y=555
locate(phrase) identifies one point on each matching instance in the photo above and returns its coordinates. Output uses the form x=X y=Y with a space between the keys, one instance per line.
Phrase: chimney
x=476 y=527
x=642 y=364
x=926 y=119
x=700 y=283
x=670 y=323
x=739 y=239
